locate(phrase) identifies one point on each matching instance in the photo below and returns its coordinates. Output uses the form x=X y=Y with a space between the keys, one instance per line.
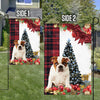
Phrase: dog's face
x=20 y=45
x=60 y=63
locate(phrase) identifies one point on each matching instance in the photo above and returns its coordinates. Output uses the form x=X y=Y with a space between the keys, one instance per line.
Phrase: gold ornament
x=87 y=93
x=87 y=26
x=37 y=19
x=16 y=20
x=55 y=25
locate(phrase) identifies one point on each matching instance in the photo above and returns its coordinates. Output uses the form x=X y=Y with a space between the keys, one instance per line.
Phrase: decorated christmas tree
x=29 y=51
x=75 y=76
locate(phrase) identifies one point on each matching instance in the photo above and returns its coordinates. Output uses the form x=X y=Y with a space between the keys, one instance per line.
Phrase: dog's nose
x=19 y=46
x=60 y=67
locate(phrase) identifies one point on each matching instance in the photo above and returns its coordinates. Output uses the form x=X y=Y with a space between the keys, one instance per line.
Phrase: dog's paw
x=11 y=61
x=47 y=90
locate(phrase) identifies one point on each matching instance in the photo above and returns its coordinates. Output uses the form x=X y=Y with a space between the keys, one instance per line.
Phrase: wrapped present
x=85 y=77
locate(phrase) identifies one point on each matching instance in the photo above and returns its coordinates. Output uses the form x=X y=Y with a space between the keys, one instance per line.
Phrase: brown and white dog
x=59 y=72
x=19 y=50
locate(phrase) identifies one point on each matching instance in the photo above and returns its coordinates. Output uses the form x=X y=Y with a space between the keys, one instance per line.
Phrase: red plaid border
x=14 y=33
x=51 y=47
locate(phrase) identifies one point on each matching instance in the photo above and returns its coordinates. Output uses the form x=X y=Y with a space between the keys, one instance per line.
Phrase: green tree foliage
x=53 y=10
x=75 y=76
x=29 y=51
x=97 y=27
x=97 y=57
x=86 y=12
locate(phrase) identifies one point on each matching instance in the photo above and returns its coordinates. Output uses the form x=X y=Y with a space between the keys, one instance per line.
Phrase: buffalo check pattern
x=14 y=33
x=51 y=47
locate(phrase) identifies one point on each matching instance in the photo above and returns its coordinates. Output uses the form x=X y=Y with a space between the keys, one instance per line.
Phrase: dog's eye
x=64 y=63
x=56 y=64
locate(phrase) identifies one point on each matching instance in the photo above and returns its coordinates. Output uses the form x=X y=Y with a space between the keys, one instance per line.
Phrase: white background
x=34 y=37
x=82 y=52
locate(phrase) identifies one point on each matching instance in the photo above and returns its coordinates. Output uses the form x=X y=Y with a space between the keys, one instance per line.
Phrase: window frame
x=23 y=3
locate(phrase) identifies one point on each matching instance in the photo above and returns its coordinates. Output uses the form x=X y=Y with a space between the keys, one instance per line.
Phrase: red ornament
x=85 y=89
x=63 y=93
x=21 y=63
x=72 y=86
x=25 y=61
x=20 y=60
x=78 y=89
x=68 y=89
x=37 y=62
x=90 y=91
x=15 y=60
x=75 y=87
x=61 y=88
x=55 y=88
x=89 y=87
x=63 y=25
x=31 y=60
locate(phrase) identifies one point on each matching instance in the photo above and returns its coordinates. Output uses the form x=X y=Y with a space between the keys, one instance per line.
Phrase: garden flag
x=24 y=41
x=67 y=67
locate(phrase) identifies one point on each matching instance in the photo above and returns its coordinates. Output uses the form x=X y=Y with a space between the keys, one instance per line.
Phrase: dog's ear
x=53 y=58
x=15 y=42
x=23 y=43
x=67 y=59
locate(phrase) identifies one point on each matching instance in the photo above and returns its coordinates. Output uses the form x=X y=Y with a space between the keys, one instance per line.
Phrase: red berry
x=85 y=89
x=90 y=91
x=55 y=88
x=75 y=87
x=61 y=88
x=37 y=62
x=68 y=90
x=15 y=60
x=31 y=60
x=89 y=87
x=25 y=61
x=78 y=93
x=72 y=86
x=78 y=89
x=21 y=63
x=20 y=60
x=38 y=59
x=63 y=93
